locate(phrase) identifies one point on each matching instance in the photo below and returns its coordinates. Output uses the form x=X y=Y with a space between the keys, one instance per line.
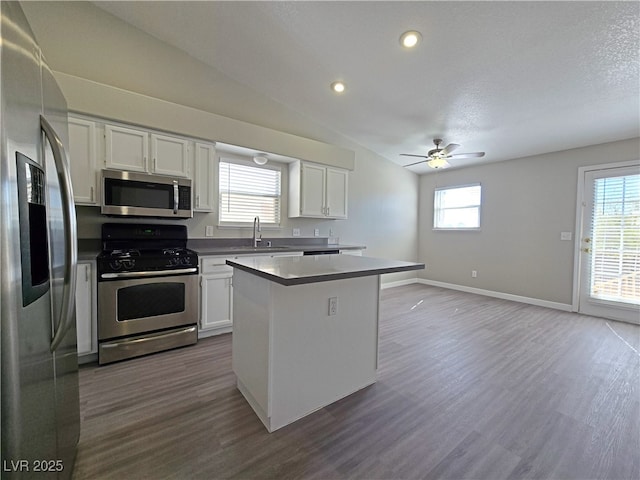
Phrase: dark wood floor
x=468 y=387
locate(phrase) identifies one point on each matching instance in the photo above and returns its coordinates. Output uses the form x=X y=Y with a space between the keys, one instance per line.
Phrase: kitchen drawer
x=218 y=264
x=214 y=265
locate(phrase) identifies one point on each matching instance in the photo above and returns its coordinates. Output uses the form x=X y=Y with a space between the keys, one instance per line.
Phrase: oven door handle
x=149 y=274
x=146 y=339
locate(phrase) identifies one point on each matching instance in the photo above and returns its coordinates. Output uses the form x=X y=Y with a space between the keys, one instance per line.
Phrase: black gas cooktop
x=142 y=248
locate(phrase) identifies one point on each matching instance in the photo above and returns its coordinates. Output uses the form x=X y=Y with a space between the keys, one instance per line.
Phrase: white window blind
x=615 y=253
x=248 y=191
x=457 y=207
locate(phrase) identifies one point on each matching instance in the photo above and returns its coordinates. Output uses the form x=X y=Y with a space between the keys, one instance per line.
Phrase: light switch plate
x=209 y=231
x=296 y=232
x=565 y=235
x=316 y=232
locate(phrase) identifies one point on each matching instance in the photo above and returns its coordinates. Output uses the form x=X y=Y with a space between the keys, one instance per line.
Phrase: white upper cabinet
x=317 y=191
x=170 y=155
x=203 y=177
x=82 y=161
x=126 y=148
x=336 y=193
x=312 y=190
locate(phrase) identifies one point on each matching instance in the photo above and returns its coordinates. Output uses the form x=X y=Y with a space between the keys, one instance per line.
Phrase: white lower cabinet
x=216 y=292
x=86 y=309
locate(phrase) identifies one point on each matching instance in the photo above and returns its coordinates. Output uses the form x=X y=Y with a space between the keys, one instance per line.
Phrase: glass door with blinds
x=609 y=258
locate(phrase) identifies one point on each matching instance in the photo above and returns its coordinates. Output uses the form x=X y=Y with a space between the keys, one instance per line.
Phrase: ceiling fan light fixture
x=410 y=39
x=438 y=162
x=260 y=159
x=338 y=87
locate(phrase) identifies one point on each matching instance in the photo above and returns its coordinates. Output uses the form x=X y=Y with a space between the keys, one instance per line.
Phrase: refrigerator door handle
x=71 y=237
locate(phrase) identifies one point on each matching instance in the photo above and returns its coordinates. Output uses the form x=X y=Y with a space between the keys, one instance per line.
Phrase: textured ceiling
x=512 y=79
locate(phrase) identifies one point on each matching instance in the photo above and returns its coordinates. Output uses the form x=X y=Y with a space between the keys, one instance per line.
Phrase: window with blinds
x=457 y=208
x=615 y=235
x=247 y=191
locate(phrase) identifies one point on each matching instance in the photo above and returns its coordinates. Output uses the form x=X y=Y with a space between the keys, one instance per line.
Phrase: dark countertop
x=323 y=268
x=244 y=246
x=248 y=249
x=88 y=249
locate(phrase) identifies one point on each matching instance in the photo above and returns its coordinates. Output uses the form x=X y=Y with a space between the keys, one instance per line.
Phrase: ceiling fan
x=437 y=158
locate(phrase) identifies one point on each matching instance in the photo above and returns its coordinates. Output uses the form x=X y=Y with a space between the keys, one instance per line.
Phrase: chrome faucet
x=256 y=240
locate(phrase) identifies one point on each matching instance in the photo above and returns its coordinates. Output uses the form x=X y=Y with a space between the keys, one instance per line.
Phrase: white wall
x=527 y=202
x=108 y=68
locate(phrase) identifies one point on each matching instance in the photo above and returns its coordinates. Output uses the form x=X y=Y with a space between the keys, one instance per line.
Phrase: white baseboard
x=398 y=283
x=489 y=293
x=214 y=331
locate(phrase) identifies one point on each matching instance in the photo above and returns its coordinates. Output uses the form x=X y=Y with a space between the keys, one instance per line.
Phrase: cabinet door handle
x=144 y=161
x=197 y=200
x=155 y=164
x=92 y=198
x=86 y=273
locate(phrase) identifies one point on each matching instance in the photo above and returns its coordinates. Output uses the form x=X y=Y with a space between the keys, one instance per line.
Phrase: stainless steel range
x=147 y=290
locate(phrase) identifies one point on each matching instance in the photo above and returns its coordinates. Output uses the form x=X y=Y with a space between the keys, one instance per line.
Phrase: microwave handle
x=175 y=197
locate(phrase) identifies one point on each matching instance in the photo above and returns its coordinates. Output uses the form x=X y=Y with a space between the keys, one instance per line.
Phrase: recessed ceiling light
x=338 y=87
x=410 y=39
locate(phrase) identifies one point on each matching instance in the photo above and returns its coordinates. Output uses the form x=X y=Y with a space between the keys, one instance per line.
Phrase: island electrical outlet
x=333 y=306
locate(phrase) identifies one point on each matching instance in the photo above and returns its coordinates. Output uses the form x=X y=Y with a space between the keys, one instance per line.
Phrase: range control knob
x=128 y=263
x=173 y=262
x=125 y=264
x=115 y=265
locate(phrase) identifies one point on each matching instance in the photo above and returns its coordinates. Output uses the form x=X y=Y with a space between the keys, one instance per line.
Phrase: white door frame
x=580 y=205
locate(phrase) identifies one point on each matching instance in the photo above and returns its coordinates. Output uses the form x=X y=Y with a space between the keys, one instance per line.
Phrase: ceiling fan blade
x=412 y=164
x=449 y=148
x=412 y=155
x=467 y=155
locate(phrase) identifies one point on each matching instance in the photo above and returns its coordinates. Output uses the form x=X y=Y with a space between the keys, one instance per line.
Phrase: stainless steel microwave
x=143 y=195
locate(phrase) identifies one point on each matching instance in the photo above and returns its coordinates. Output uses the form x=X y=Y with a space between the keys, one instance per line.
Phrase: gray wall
x=527 y=202
x=108 y=68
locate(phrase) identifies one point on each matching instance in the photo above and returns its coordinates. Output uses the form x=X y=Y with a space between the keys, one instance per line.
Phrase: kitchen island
x=305 y=330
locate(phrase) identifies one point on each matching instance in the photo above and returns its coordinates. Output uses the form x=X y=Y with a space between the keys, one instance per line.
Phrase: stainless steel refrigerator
x=39 y=387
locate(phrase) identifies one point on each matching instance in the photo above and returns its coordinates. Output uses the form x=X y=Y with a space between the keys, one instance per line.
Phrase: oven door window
x=150 y=300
